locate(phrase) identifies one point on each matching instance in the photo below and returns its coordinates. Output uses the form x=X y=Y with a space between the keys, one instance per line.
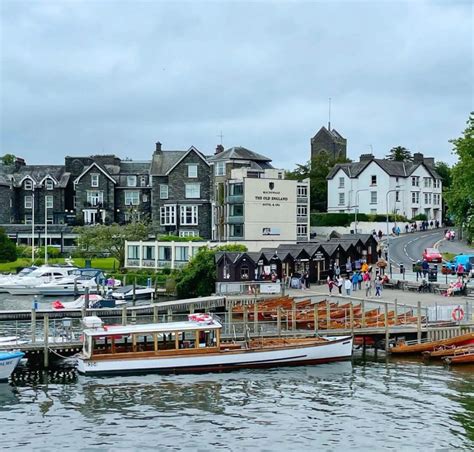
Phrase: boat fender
x=458 y=314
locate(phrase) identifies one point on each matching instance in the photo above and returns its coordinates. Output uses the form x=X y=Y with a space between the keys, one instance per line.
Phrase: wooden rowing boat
x=403 y=347
x=450 y=350
x=467 y=358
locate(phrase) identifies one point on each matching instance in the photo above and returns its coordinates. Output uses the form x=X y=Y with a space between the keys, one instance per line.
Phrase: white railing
x=248 y=288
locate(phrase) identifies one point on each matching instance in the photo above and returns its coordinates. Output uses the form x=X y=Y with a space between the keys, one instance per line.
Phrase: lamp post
x=356 y=206
x=46 y=230
x=32 y=223
x=388 y=233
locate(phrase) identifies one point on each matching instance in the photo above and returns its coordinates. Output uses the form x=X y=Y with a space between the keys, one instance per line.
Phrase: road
x=408 y=248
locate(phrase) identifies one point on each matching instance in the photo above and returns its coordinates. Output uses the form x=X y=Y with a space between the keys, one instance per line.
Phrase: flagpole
x=33 y=224
x=45 y=231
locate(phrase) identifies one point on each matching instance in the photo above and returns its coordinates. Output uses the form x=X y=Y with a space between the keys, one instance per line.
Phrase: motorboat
x=6 y=279
x=11 y=341
x=27 y=285
x=194 y=346
x=126 y=293
x=8 y=362
x=96 y=301
x=408 y=347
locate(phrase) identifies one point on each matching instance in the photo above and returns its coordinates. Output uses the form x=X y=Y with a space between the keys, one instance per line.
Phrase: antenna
x=329 y=115
x=220 y=136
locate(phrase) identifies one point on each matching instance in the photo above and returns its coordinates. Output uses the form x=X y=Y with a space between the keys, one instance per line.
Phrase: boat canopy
x=212 y=324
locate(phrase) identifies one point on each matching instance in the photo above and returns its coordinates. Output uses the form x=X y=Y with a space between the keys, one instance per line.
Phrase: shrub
x=345 y=219
x=420 y=217
x=7 y=248
x=175 y=238
x=53 y=252
x=23 y=251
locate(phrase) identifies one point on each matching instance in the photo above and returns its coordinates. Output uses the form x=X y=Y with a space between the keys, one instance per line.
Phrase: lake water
x=365 y=405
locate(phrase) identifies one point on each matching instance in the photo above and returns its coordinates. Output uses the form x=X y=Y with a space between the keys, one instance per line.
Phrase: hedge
x=345 y=219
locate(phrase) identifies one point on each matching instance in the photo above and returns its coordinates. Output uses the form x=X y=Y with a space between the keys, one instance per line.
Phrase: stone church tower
x=329 y=141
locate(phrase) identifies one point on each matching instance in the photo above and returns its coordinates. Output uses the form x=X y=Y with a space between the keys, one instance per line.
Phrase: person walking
x=330 y=283
x=359 y=280
x=355 y=280
x=340 y=283
x=425 y=267
x=348 y=286
x=368 y=288
x=378 y=287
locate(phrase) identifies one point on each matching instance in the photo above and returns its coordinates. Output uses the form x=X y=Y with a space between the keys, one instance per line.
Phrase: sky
x=91 y=77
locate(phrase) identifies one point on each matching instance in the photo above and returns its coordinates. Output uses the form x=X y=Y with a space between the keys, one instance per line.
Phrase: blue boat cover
x=9 y=355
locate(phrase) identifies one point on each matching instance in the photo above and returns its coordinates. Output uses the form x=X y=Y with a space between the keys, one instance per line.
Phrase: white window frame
x=186 y=233
x=342 y=199
x=195 y=194
x=28 y=202
x=28 y=184
x=415 y=197
x=188 y=215
x=95 y=197
x=341 y=182
x=49 y=184
x=145 y=197
x=28 y=218
x=132 y=197
x=192 y=170
x=373 y=197
x=131 y=181
x=49 y=200
x=168 y=215
x=49 y=218
x=302 y=210
x=219 y=169
x=302 y=191
x=164 y=191
x=94 y=180
x=301 y=230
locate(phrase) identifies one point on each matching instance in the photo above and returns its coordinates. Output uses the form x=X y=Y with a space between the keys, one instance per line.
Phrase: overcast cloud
x=88 y=77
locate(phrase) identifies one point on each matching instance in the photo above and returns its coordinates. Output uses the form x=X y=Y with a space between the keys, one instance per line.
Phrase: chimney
x=219 y=149
x=418 y=157
x=366 y=157
x=429 y=161
x=158 y=147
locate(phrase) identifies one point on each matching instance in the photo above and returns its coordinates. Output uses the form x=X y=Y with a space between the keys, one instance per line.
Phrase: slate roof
x=164 y=161
x=391 y=167
x=240 y=153
x=38 y=172
x=135 y=166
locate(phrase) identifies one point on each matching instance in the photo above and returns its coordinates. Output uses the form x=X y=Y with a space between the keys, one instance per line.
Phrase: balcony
x=302 y=219
x=235 y=199
x=302 y=199
x=238 y=219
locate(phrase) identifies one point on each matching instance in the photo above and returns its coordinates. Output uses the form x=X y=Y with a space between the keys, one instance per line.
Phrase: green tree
x=317 y=171
x=444 y=170
x=399 y=154
x=198 y=277
x=101 y=239
x=8 y=159
x=460 y=197
x=7 y=248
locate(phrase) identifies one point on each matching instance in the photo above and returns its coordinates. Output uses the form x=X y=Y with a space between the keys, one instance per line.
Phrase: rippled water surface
x=366 y=405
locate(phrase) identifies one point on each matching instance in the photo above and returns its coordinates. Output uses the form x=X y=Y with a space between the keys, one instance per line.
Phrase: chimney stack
x=158 y=147
x=418 y=157
x=219 y=149
x=366 y=157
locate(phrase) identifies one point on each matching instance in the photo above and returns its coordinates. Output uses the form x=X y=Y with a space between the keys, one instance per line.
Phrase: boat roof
x=153 y=328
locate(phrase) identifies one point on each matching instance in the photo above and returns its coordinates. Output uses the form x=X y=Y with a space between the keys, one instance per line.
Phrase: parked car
x=467 y=261
x=432 y=255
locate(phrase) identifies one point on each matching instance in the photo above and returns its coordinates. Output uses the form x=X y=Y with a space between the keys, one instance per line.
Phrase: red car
x=432 y=255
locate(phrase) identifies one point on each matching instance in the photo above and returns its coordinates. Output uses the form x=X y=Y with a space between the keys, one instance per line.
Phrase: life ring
x=458 y=314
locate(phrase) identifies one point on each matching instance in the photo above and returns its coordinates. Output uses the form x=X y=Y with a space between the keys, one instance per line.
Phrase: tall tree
x=317 y=171
x=399 y=154
x=8 y=159
x=444 y=170
x=7 y=248
x=460 y=197
x=99 y=239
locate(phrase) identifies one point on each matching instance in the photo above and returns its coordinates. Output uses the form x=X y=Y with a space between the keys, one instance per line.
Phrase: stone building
x=328 y=141
x=180 y=193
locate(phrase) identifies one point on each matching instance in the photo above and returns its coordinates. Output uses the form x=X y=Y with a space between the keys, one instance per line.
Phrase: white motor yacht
x=6 y=279
x=27 y=285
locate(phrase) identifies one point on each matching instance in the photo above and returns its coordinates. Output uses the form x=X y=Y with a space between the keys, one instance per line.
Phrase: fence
x=250 y=288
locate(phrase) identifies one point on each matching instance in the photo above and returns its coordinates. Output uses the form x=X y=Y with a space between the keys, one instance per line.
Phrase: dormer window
x=131 y=181
x=28 y=184
x=143 y=181
x=49 y=185
x=94 y=180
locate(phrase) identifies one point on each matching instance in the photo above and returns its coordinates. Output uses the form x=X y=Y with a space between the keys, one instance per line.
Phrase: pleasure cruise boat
x=8 y=362
x=194 y=346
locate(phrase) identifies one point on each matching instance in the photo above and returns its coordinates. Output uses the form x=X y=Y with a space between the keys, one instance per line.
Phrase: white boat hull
x=334 y=350
x=8 y=364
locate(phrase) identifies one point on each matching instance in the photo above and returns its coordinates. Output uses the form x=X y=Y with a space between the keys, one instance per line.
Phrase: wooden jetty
x=247 y=317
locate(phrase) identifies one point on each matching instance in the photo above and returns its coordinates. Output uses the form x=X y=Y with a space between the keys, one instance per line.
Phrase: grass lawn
x=104 y=263
x=448 y=256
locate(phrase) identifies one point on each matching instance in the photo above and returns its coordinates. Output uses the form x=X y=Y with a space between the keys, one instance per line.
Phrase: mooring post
x=134 y=317
x=155 y=313
x=230 y=308
x=387 y=331
x=134 y=292
x=86 y=297
x=246 y=314
x=46 y=341
x=328 y=314
x=351 y=317
x=293 y=316
x=395 y=308
x=362 y=322
x=316 y=318
x=124 y=315
x=156 y=287
x=33 y=324
x=279 y=321
x=418 y=323
x=255 y=317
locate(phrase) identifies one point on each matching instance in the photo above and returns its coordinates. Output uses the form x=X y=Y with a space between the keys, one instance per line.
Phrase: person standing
x=368 y=287
x=378 y=287
x=425 y=267
x=330 y=283
x=340 y=283
x=355 y=281
x=348 y=286
x=359 y=280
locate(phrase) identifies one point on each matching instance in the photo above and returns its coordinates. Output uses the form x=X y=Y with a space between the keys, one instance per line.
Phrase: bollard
x=387 y=331
x=46 y=341
x=155 y=314
x=316 y=318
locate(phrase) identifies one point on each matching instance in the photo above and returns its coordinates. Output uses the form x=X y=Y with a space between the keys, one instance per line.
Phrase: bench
x=390 y=285
x=411 y=287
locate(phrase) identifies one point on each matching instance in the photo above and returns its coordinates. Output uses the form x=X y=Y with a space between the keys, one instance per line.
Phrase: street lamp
x=356 y=206
x=388 y=234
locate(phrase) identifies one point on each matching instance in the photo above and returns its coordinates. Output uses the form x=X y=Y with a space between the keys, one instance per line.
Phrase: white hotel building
x=411 y=188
